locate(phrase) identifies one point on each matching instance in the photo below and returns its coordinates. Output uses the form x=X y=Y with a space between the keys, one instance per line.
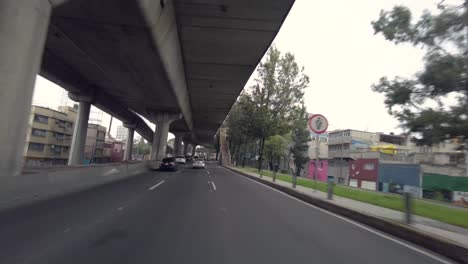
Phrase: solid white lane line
x=214 y=186
x=153 y=187
x=378 y=233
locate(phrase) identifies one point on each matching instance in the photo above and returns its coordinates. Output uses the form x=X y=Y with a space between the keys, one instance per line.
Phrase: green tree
x=142 y=147
x=299 y=146
x=237 y=132
x=278 y=91
x=445 y=38
x=275 y=147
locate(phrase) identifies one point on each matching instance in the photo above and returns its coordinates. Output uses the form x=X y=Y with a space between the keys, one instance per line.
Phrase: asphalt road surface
x=202 y=216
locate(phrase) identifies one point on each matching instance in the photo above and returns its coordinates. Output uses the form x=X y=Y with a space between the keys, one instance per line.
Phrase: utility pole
x=465 y=147
x=110 y=126
x=317 y=152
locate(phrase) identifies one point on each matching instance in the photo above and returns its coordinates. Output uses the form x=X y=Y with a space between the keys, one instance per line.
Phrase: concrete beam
x=162 y=20
x=23 y=30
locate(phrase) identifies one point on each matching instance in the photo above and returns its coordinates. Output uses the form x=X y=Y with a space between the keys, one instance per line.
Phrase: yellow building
x=49 y=135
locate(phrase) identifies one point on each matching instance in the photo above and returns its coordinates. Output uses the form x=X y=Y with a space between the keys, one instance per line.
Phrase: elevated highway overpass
x=179 y=63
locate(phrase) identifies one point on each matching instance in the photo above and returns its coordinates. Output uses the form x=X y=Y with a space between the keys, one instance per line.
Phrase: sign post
x=318 y=124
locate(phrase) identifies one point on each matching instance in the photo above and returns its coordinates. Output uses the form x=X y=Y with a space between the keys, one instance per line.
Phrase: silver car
x=198 y=164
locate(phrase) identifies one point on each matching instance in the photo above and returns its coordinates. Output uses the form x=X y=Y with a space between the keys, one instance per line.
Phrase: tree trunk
x=270 y=161
x=260 y=153
x=245 y=153
x=238 y=152
x=233 y=154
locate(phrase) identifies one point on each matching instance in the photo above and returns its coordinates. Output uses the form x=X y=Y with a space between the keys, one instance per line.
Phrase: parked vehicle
x=180 y=159
x=198 y=164
x=168 y=164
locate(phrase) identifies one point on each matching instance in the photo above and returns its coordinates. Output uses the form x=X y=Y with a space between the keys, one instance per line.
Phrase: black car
x=168 y=164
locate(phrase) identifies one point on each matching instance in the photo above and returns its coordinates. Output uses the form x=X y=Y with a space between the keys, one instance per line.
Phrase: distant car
x=198 y=164
x=195 y=157
x=180 y=159
x=168 y=164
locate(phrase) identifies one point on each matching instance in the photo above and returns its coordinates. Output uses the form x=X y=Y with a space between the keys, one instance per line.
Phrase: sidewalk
x=458 y=235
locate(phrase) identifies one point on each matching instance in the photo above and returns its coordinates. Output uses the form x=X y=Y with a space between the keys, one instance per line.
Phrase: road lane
x=184 y=220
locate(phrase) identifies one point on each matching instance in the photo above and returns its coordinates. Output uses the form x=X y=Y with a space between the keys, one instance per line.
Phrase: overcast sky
x=335 y=43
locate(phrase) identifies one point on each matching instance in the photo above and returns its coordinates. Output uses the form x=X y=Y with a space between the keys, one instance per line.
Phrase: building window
x=369 y=166
x=38 y=132
x=55 y=149
x=41 y=119
x=101 y=135
x=346 y=146
x=59 y=136
x=61 y=123
x=36 y=147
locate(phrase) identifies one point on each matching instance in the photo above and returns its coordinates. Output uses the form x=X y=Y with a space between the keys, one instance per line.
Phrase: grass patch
x=438 y=212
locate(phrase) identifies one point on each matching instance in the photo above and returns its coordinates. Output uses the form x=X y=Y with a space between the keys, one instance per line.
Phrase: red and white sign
x=317 y=124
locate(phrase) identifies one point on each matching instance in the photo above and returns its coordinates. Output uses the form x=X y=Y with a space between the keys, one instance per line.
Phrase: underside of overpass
x=179 y=63
x=183 y=56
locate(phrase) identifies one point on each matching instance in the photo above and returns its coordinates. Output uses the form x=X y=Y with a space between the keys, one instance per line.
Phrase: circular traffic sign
x=317 y=124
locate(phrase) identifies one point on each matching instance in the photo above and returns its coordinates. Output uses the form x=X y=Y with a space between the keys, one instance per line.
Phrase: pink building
x=322 y=174
x=117 y=151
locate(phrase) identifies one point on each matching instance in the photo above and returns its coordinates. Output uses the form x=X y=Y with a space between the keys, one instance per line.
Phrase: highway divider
x=405 y=232
x=46 y=183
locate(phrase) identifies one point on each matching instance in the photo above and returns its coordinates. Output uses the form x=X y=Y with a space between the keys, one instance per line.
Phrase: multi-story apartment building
x=343 y=143
x=322 y=146
x=349 y=144
x=49 y=135
x=122 y=133
x=94 y=146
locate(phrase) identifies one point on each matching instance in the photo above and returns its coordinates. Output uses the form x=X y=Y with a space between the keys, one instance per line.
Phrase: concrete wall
x=48 y=183
x=339 y=169
x=395 y=177
x=444 y=170
x=364 y=172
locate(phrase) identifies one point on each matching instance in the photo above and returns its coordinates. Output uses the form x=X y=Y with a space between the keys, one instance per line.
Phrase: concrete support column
x=185 y=148
x=194 y=148
x=77 y=148
x=129 y=143
x=23 y=30
x=162 y=120
x=178 y=144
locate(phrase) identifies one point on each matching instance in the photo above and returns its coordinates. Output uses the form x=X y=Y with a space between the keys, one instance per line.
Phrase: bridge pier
x=77 y=147
x=185 y=148
x=194 y=148
x=162 y=120
x=129 y=143
x=178 y=143
x=23 y=30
